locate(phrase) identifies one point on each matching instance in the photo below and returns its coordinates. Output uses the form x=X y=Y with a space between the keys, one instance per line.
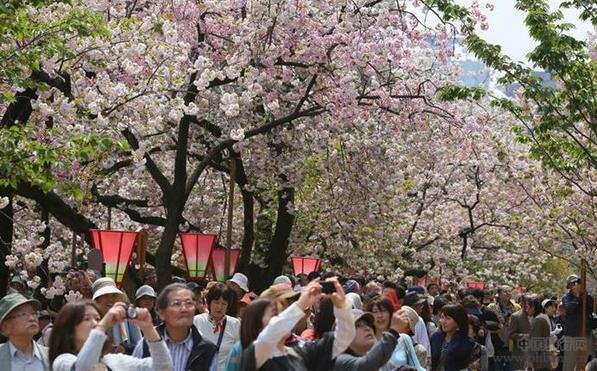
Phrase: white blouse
x=207 y=327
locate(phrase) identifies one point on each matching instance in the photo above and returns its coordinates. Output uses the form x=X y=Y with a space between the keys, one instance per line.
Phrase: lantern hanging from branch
x=116 y=248
x=217 y=262
x=197 y=249
x=305 y=264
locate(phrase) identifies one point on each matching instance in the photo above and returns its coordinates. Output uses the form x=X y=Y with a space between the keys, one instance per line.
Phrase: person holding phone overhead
x=267 y=350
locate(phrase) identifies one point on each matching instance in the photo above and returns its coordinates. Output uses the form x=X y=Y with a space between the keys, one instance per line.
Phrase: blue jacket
x=459 y=350
x=573 y=314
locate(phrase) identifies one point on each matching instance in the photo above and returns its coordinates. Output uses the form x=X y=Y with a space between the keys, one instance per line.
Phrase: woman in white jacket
x=79 y=341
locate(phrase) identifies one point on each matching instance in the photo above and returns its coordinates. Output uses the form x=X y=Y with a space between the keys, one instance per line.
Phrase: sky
x=506 y=27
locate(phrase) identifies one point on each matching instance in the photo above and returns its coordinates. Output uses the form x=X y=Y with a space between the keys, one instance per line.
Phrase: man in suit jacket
x=520 y=326
x=18 y=322
x=538 y=347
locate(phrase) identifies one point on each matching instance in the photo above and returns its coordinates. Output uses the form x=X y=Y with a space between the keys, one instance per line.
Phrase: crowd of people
x=320 y=321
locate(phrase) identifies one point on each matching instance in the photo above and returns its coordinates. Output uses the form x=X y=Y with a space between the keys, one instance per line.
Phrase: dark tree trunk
x=278 y=247
x=6 y=232
x=249 y=231
x=163 y=267
x=248 y=214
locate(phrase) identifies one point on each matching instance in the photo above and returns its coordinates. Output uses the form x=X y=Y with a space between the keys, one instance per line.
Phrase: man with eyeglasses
x=575 y=345
x=188 y=349
x=18 y=322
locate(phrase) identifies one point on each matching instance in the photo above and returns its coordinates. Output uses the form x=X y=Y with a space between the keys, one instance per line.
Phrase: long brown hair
x=62 y=337
x=252 y=321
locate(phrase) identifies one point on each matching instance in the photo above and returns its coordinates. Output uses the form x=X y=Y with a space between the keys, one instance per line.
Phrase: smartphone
x=327 y=287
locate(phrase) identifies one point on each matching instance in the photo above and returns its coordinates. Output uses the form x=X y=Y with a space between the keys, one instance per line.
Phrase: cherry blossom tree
x=324 y=114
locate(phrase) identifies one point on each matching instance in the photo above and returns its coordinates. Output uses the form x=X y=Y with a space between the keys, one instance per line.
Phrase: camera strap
x=221 y=334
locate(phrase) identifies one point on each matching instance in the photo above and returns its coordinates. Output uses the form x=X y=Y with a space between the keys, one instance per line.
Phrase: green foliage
x=560 y=122
x=26 y=156
x=26 y=41
x=553 y=281
x=452 y=12
x=452 y=92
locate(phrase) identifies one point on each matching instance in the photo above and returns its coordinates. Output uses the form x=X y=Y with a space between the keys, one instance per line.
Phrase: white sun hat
x=241 y=280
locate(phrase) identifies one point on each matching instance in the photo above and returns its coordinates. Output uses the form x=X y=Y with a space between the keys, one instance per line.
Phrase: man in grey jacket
x=364 y=353
x=18 y=322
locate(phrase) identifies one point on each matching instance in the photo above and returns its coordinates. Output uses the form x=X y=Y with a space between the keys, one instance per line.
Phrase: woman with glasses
x=216 y=326
x=79 y=340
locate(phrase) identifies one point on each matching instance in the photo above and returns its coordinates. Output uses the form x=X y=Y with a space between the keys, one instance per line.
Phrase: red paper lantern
x=116 y=248
x=476 y=285
x=217 y=262
x=196 y=249
x=305 y=264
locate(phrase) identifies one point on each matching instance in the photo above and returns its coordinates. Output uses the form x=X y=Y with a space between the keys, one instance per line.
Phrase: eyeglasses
x=25 y=315
x=179 y=304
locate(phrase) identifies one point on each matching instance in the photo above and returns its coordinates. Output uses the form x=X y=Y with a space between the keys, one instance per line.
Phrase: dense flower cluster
x=334 y=100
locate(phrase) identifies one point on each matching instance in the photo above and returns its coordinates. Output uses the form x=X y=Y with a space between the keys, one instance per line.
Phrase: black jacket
x=201 y=356
x=572 y=303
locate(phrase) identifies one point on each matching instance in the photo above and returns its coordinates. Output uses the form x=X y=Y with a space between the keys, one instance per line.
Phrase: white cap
x=548 y=301
x=103 y=286
x=282 y=279
x=145 y=290
x=241 y=280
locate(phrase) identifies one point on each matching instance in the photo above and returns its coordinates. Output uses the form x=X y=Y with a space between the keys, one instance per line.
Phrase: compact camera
x=131 y=312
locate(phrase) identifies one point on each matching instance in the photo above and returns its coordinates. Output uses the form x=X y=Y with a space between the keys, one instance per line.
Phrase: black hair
x=438 y=304
x=324 y=319
x=458 y=314
x=431 y=284
x=329 y=274
x=313 y=275
x=400 y=291
x=382 y=302
x=462 y=292
x=219 y=290
x=535 y=303
x=389 y=284
x=479 y=294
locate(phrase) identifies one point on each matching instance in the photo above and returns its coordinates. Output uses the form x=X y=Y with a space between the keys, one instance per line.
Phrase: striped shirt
x=179 y=351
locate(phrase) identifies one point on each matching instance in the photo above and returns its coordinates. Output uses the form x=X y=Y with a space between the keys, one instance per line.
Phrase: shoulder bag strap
x=221 y=334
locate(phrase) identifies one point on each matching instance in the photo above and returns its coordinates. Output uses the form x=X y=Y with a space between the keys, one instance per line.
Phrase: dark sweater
x=457 y=351
x=201 y=356
x=312 y=355
x=574 y=313
x=377 y=356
